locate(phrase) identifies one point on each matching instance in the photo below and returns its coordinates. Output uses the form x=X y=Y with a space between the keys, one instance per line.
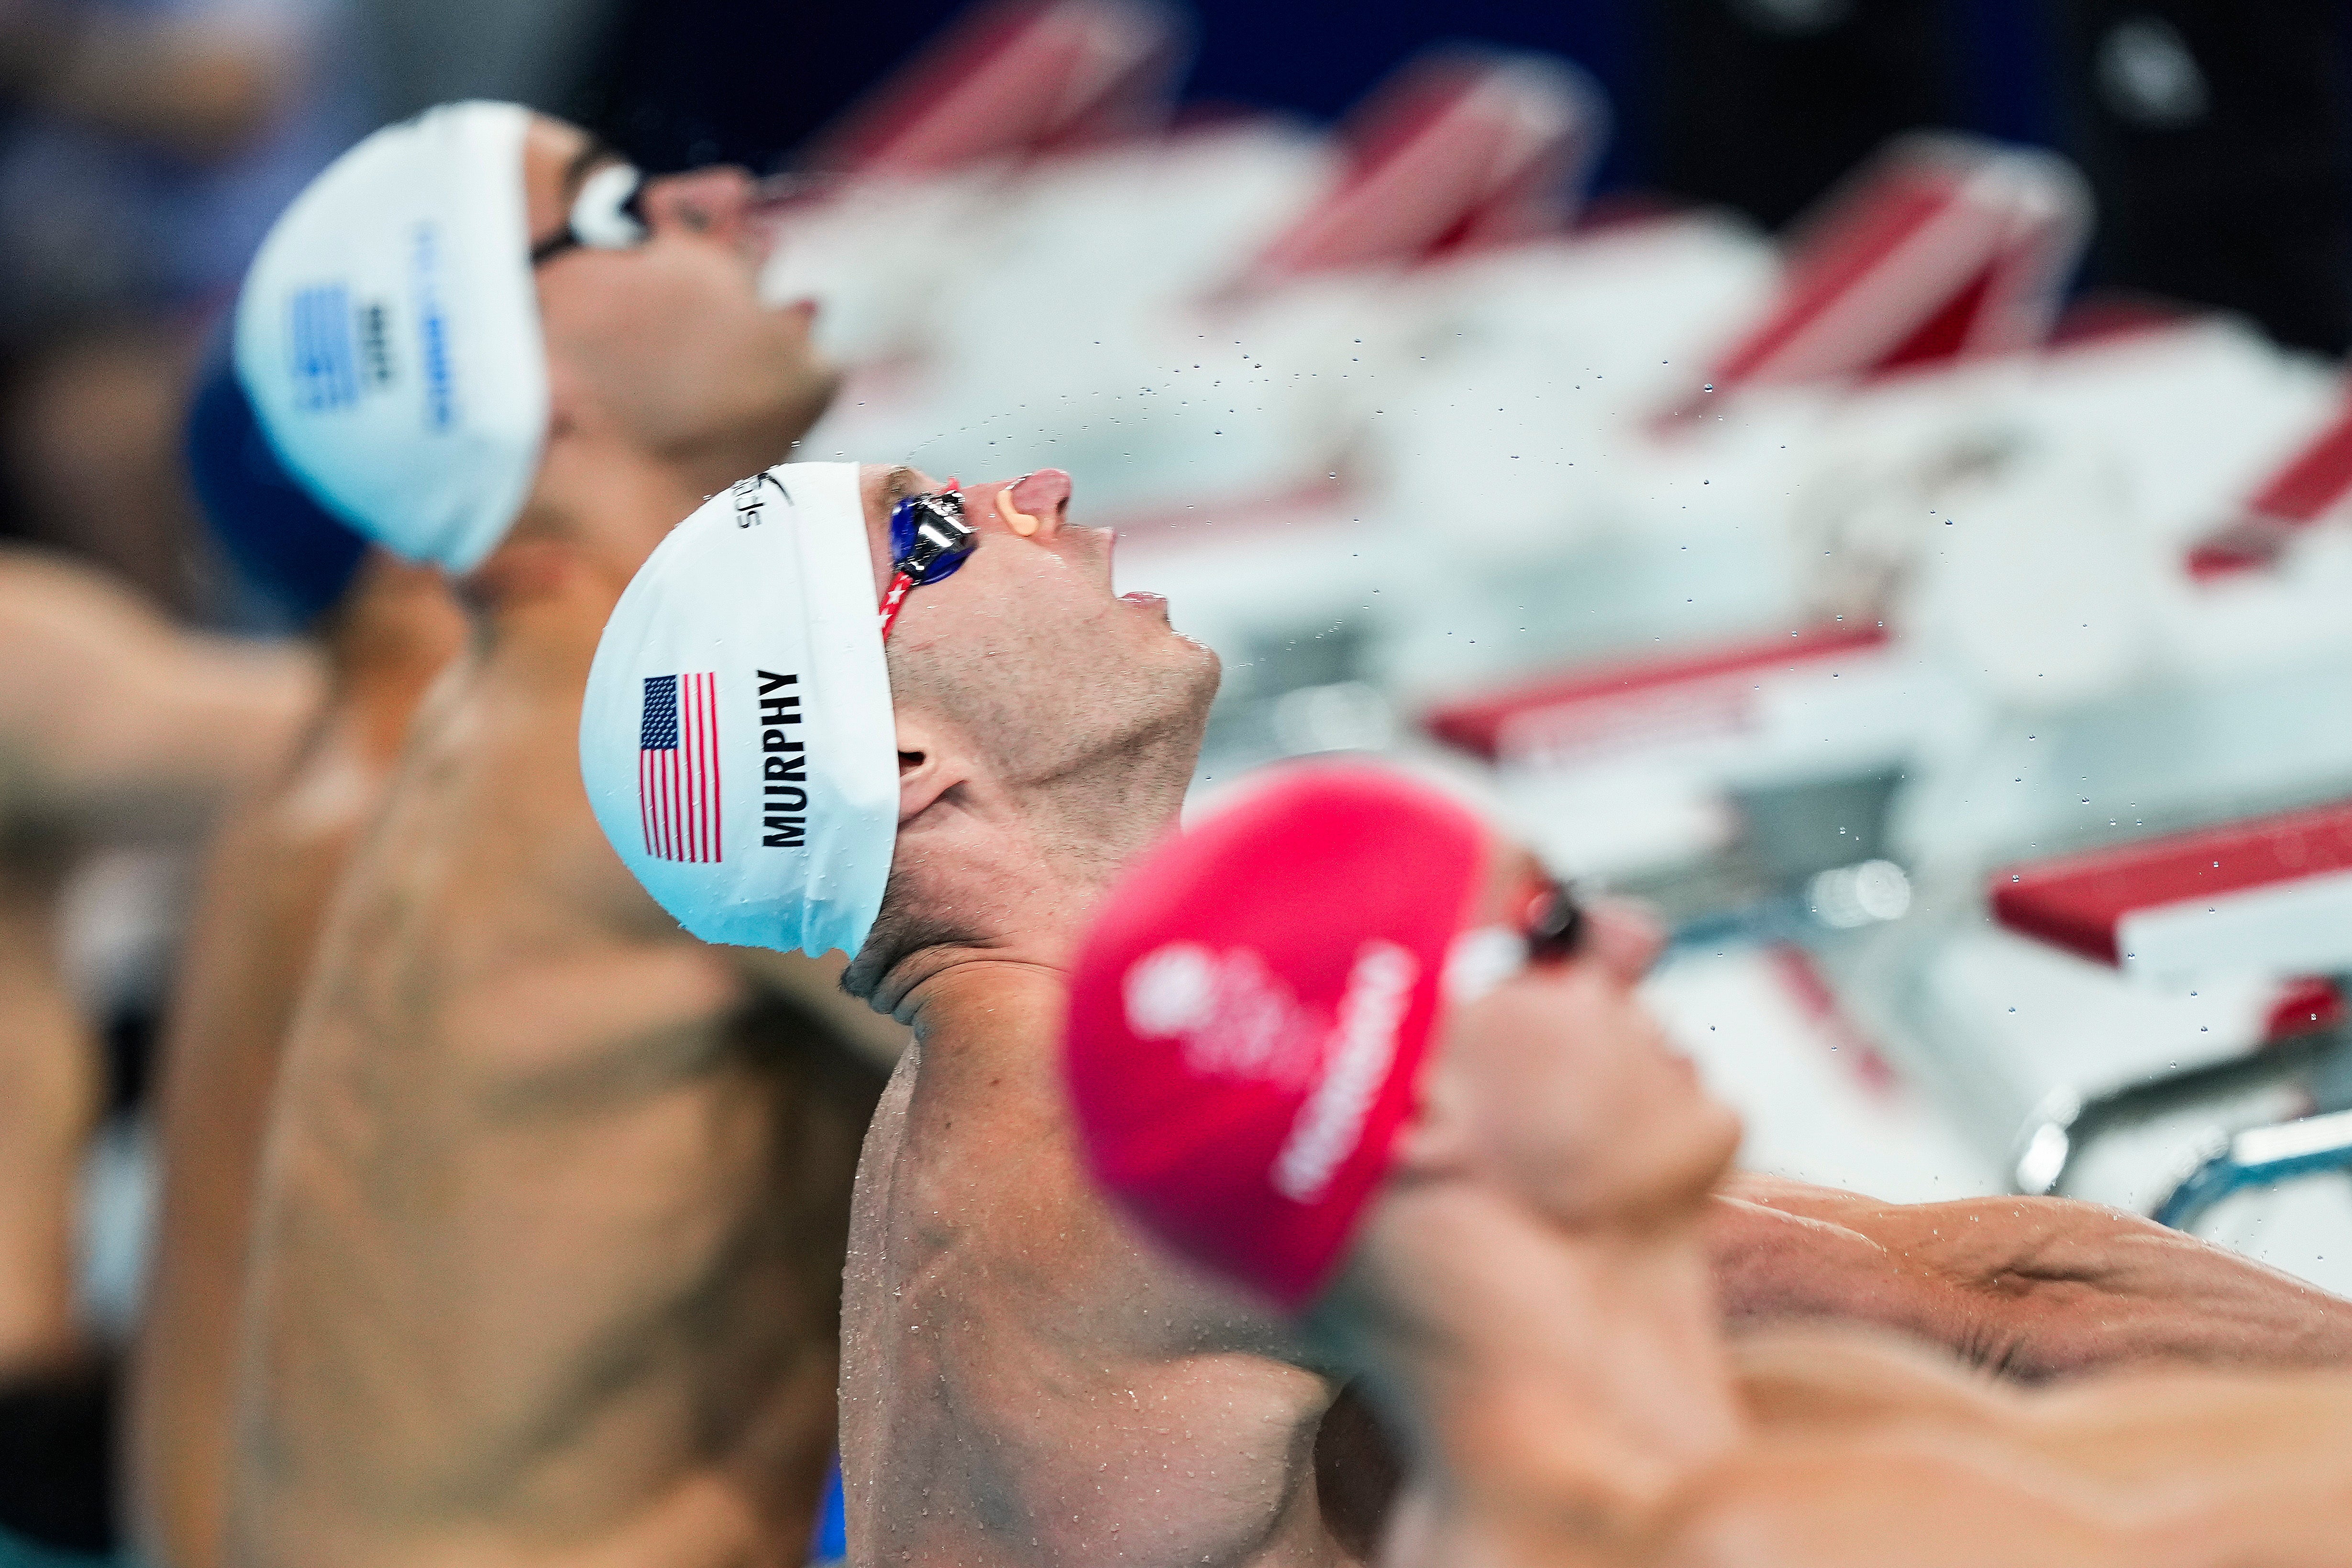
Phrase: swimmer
x=386 y=628
x=1022 y=1382
x=545 y=1254
x=1348 y=1051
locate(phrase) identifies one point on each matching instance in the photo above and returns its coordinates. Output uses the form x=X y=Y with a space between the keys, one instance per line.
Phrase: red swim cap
x=1250 y=1013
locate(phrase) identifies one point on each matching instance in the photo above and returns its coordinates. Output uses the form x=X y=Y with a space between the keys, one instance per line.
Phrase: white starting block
x=1674 y=507
x=2272 y=895
x=1016 y=81
x=902 y=186
x=1943 y=250
x=1631 y=771
x=2310 y=487
x=2122 y=678
x=1202 y=320
x=1645 y=771
x=1507 y=504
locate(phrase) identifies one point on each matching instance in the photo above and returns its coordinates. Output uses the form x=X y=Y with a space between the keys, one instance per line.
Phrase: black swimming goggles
x=1554 y=924
x=609 y=214
x=928 y=540
x=1551 y=929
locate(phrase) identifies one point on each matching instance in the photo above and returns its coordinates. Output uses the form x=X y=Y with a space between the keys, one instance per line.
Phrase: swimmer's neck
x=396 y=630
x=1004 y=981
x=1023 y=872
x=595 y=513
x=1560 y=1388
x=981 y=1006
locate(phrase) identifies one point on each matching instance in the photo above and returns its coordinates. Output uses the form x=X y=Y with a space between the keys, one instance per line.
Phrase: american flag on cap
x=677 y=767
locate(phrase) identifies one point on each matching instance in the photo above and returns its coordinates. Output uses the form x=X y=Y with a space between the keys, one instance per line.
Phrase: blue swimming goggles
x=928 y=540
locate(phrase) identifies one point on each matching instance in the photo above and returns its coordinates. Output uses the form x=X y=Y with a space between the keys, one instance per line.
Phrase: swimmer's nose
x=715 y=200
x=1043 y=496
x=1625 y=938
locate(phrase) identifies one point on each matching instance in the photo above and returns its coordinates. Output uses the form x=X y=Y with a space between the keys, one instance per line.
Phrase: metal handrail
x=2260 y=1158
x=2071 y=1118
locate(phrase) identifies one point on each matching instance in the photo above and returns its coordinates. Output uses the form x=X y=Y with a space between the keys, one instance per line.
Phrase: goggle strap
x=901 y=583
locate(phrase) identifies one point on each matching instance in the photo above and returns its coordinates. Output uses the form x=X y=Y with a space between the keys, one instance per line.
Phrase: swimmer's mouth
x=1147 y=602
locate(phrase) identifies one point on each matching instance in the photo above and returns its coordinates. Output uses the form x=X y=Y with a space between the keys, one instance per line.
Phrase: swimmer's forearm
x=49 y=1101
x=2036 y=1287
x=2056 y=1287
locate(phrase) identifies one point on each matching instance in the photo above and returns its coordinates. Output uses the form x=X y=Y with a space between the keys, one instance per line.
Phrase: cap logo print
x=750 y=496
x=376 y=344
x=769 y=583
x=318 y=340
x=1174 y=991
x=677 y=767
x=432 y=332
x=784 y=763
x=1237 y=1017
x=1250 y=1015
x=388 y=339
x=1380 y=989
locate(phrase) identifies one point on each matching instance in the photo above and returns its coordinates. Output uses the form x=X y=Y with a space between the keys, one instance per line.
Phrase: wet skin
x=1022 y=1381
x=252 y=939
x=1531 y=1296
x=546 y=1256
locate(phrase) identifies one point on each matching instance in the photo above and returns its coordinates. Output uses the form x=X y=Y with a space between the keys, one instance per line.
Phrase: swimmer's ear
x=1436 y=1140
x=927 y=769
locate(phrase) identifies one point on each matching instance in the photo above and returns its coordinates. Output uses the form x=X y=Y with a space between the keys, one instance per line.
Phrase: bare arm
x=2037 y=1288
x=114 y=720
x=2186 y=1467
x=49 y=1094
x=1918 y=1498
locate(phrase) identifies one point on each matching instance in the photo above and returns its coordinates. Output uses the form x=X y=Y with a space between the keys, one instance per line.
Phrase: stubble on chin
x=815 y=391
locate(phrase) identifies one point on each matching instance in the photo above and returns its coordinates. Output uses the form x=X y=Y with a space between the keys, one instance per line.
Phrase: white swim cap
x=737 y=740
x=388 y=335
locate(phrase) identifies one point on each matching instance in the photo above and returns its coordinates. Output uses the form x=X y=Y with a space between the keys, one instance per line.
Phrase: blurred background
x=1863 y=475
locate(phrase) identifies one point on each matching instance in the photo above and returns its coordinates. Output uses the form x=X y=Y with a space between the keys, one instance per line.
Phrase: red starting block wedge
x=1943 y=248
x=2311 y=484
x=1457 y=152
x=1611 y=706
x=2273 y=894
x=1015 y=80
